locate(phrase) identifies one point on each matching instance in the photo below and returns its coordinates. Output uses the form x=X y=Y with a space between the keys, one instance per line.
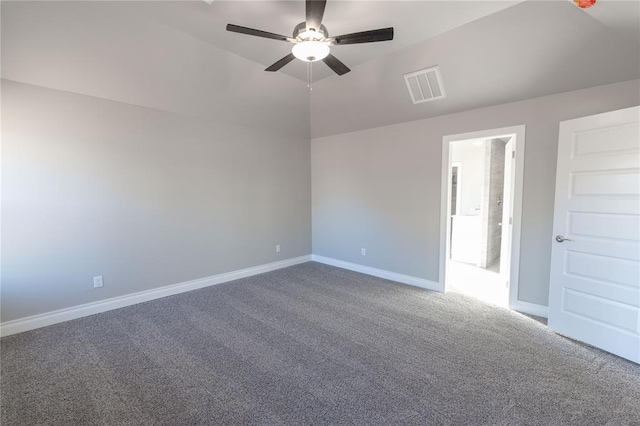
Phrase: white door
x=594 y=293
x=507 y=211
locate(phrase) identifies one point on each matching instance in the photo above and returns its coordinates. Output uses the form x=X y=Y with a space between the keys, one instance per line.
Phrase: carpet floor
x=311 y=344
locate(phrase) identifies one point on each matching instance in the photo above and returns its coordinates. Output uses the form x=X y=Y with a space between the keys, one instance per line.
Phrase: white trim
x=67 y=314
x=445 y=201
x=380 y=273
x=532 y=309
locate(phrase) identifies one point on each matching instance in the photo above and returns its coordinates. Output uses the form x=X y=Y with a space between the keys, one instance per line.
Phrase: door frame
x=445 y=200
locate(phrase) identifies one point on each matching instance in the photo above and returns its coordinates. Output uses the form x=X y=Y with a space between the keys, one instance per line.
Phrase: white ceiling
x=101 y=49
x=177 y=56
x=532 y=49
x=622 y=17
x=414 y=21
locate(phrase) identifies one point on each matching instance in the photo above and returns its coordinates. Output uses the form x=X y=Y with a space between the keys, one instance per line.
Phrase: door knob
x=561 y=239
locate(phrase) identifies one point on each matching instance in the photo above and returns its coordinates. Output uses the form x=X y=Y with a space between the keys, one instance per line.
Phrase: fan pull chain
x=309 y=77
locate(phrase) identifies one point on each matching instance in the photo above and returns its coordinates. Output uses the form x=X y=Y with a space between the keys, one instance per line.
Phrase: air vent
x=425 y=85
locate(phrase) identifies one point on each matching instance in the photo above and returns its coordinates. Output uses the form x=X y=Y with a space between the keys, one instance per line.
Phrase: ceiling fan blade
x=315 y=12
x=257 y=33
x=335 y=64
x=281 y=63
x=382 y=34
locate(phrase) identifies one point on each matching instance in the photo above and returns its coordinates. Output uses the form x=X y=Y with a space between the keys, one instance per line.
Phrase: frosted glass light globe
x=310 y=51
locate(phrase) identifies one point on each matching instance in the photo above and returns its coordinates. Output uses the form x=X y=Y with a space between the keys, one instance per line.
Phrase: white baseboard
x=50 y=318
x=380 y=273
x=42 y=320
x=524 y=307
x=532 y=309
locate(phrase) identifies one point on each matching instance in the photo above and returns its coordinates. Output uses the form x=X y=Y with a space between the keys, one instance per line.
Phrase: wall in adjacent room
x=491 y=209
x=471 y=174
x=380 y=188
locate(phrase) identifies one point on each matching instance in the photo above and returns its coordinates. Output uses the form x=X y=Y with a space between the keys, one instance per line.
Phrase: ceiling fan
x=311 y=39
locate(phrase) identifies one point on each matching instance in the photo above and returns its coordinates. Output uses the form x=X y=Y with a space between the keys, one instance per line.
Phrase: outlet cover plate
x=97 y=282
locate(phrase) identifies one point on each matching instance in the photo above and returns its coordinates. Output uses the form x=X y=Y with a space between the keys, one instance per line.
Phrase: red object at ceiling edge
x=583 y=4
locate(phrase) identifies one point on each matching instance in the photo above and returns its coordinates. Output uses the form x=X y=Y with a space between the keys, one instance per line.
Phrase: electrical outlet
x=363 y=252
x=278 y=248
x=97 y=282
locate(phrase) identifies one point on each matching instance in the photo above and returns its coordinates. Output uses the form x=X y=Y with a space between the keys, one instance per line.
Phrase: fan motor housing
x=302 y=27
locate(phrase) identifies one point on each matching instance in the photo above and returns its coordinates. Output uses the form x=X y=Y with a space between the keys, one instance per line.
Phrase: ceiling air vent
x=425 y=85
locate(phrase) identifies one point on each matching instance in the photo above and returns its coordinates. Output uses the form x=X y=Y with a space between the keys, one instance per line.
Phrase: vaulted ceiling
x=414 y=21
x=177 y=56
x=532 y=49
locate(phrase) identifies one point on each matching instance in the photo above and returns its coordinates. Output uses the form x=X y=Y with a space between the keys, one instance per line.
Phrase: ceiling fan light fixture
x=311 y=42
x=310 y=50
x=310 y=35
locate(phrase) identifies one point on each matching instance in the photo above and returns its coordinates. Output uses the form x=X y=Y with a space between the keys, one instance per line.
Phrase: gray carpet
x=311 y=344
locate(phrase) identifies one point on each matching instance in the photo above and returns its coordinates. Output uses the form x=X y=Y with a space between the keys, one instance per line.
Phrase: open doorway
x=482 y=199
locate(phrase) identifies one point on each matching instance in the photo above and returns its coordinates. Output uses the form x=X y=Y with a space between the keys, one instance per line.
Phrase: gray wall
x=144 y=197
x=380 y=188
x=471 y=179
